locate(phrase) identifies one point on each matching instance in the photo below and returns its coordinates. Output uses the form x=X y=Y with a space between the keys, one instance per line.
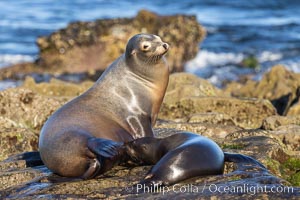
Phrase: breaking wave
x=218 y=67
x=10 y=59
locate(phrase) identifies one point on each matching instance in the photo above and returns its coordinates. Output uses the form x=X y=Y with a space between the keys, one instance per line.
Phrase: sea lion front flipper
x=93 y=170
x=104 y=147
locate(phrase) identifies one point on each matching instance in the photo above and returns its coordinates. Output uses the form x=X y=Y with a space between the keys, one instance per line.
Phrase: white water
x=9 y=59
x=218 y=67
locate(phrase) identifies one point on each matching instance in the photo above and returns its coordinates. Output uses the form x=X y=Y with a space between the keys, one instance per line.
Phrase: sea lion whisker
x=150 y=60
x=158 y=57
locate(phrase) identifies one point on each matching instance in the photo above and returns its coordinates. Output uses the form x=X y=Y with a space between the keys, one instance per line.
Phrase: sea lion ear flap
x=104 y=147
x=133 y=52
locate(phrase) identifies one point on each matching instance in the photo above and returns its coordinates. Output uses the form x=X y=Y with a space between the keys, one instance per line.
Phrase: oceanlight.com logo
x=210 y=188
x=249 y=189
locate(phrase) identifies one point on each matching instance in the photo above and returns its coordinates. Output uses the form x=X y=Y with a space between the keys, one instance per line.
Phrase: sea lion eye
x=145 y=46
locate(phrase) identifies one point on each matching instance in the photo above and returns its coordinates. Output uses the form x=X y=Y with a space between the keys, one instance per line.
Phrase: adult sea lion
x=181 y=156
x=121 y=106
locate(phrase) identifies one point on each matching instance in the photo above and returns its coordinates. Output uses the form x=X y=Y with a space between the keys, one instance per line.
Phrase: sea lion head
x=142 y=150
x=145 y=49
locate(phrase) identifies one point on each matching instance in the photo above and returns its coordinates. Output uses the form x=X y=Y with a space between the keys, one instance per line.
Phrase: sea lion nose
x=166 y=46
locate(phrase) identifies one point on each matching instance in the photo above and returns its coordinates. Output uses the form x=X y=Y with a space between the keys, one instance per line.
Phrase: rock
x=246 y=113
x=182 y=85
x=280 y=86
x=23 y=112
x=89 y=47
x=294 y=109
x=259 y=144
x=270 y=148
x=209 y=112
x=217 y=132
x=290 y=136
x=273 y=122
x=212 y=118
x=79 y=46
x=189 y=96
x=17 y=71
x=38 y=182
x=200 y=86
x=15 y=140
x=57 y=87
x=27 y=109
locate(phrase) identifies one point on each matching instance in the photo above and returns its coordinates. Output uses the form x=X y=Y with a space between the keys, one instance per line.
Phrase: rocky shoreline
x=243 y=125
x=84 y=49
x=259 y=119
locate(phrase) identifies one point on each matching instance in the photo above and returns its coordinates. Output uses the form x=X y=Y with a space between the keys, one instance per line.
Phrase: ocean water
x=269 y=30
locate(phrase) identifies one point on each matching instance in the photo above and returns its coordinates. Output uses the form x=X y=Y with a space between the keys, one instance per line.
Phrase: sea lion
x=180 y=156
x=121 y=106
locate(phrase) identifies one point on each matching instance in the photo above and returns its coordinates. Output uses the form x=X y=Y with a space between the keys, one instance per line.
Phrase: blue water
x=268 y=29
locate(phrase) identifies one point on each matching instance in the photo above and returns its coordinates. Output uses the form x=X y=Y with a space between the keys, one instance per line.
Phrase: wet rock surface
x=89 y=47
x=247 y=126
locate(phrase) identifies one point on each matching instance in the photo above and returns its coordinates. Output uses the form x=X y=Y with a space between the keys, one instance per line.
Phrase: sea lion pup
x=121 y=106
x=181 y=156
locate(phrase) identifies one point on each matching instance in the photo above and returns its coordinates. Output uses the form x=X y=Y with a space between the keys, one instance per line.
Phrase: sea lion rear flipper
x=104 y=147
x=240 y=158
x=31 y=158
